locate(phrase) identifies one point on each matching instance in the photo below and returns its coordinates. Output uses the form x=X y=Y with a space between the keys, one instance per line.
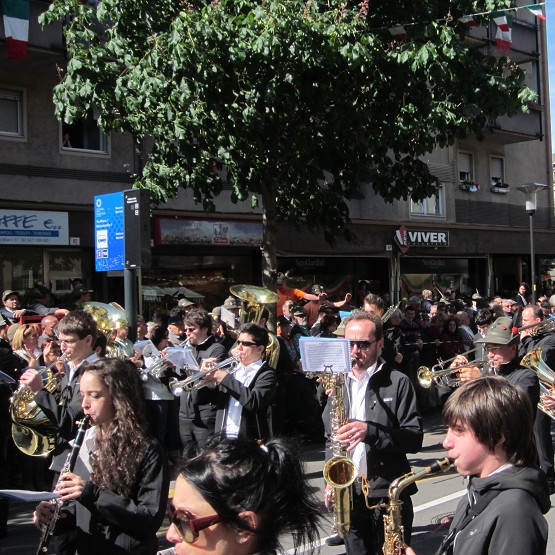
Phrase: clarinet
x=48 y=529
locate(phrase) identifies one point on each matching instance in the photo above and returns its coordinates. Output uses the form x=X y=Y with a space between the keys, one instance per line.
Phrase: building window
x=466 y=167
x=11 y=113
x=497 y=171
x=84 y=135
x=432 y=206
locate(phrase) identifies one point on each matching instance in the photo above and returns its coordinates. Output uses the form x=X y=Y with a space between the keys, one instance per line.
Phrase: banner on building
x=33 y=227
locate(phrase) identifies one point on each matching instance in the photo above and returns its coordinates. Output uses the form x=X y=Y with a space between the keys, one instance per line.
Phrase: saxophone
x=394 y=543
x=340 y=471
x=48 y=529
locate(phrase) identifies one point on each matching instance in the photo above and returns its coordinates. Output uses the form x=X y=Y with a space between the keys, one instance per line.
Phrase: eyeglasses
x=188 y=527
x=190 y=330
x=246 y=343
x=68 y=341
x=362 y=345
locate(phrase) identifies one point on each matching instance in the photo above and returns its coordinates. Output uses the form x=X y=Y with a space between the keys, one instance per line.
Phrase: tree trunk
x=268 y=247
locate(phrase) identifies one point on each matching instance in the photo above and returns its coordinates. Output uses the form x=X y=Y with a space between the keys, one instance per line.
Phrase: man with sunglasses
x=383 y=425
x=245 y=395
x=197 y=410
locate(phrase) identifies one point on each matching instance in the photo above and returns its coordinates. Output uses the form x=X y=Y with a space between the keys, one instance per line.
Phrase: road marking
x=439 y=501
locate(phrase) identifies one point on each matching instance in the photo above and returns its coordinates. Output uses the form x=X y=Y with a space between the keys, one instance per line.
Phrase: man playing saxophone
x=383 y=425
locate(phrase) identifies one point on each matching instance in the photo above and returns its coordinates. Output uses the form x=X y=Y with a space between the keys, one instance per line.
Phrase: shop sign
x=33 y=227
x=420 y=238
x=176 y=231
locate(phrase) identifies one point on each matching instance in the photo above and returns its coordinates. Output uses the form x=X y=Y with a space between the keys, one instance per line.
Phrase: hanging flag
x=398 y=33
x=16 y=27
x=536 y=9
x=503 y=36
x=468 y=20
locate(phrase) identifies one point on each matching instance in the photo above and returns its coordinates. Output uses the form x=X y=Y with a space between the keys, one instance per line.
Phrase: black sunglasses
x=362 y=345
x=188 y=527
x=246 y=343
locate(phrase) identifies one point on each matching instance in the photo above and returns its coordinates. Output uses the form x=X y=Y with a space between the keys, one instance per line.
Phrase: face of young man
x=373 y=309
x=365 y=350
x=248 y=350
x=469 y=456
x=195 y=335
x=75 y=349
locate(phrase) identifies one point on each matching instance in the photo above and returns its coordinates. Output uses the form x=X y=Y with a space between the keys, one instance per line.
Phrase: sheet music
x=181 y=357
x=228 y=318
x=322 y=354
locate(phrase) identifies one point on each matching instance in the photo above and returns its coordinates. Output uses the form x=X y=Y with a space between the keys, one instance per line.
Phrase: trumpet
x=545 y=326
x=157 y=369
x=194 y=381
x=433 y=376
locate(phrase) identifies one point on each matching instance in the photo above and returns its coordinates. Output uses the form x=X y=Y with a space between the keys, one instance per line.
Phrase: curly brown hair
x=121 y=447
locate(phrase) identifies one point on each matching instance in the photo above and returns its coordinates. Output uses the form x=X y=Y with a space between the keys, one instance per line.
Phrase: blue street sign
x=109 y=232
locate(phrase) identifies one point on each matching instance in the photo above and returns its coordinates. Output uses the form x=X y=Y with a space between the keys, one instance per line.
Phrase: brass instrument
x=157 y=369
x=48 y=529
x=440 y=376
x=109 y=317
x=545 y=326
x=389 y=312
x=253 y=299
x=394 y=543
x=546 y=376
x=33 y=433
x=194 y=381
x=339 y=471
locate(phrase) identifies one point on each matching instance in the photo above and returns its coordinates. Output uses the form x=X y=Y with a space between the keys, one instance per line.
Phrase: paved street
x=436 y=500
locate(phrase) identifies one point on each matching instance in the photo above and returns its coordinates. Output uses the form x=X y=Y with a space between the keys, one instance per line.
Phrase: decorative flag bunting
x=468 y=20
x=16 y=27
x=536 y=9
x=398 y=33
x=503 y=36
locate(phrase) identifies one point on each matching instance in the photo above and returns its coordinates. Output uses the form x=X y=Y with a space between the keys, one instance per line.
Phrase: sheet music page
x=322 y=354
x=229 y=318
x=181 y=357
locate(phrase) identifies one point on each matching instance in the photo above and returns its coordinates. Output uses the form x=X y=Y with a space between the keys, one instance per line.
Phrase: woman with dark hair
x=238 y=497
x=451 y=343
x=119 y=489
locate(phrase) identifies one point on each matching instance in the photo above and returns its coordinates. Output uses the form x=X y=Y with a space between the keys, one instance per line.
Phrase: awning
x=156 y=293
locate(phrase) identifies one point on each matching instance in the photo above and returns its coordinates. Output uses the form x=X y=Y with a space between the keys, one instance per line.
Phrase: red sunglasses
x=188 y=527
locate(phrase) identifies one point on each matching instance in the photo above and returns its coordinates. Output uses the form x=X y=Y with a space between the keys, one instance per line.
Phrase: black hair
x=258 y=333
x=376 y=300
x=485 y=316
x=159 y=333
x=200 y=318
x=237 y=475
x=80 y=323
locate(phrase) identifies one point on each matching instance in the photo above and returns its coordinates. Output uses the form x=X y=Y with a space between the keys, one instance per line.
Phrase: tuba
x=109 y=317
x=339 y=471
x=546 y=376
x=33 y=433
x=253 y=299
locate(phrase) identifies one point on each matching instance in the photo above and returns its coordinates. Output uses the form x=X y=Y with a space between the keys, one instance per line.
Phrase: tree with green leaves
x=294 y=103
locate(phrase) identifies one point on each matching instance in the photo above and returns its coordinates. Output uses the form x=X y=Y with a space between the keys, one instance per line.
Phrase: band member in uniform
x=197 y=412
x=237 y=497
x=490 y=440
x=383 y=426
x=118 y=492
x=246 y=395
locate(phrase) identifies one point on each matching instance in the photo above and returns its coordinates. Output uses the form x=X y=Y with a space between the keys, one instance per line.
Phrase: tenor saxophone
x=48 y=529
x=394 y=543
x=339 y=471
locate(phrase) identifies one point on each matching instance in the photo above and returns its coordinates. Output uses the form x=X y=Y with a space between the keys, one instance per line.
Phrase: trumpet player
x=383 y=425
x=245 y=396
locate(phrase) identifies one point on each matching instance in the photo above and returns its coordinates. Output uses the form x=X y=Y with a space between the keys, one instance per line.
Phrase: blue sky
x=550 y=24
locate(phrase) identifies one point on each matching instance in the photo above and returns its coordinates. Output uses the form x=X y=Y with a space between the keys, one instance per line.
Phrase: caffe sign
x=406 y=238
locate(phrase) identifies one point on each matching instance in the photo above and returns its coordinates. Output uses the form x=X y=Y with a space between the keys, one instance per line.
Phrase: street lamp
x=530 y=190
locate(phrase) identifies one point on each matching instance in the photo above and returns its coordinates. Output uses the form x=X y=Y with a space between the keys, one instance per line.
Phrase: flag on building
x=503 y=36
x=16 y=27
x=398 y=33
x=468 y=20
x=536 y=9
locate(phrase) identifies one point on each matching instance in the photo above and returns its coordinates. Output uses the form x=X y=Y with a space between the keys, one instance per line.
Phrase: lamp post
x=530 y=191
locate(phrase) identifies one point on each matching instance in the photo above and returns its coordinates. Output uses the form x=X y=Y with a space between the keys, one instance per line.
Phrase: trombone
x=194 y=381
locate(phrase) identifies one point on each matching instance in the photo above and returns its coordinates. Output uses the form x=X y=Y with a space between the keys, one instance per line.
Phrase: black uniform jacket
x=394 y=428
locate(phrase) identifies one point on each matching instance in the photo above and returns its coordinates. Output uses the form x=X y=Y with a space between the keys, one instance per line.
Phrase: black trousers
x=544 y=443
x=366 y=536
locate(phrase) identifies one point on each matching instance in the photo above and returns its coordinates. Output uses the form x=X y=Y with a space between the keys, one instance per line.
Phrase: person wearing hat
x=12 y=308
x=312 y=307
x=299 y=328
x=502 y=343
x=176 y=328
x=79 y=296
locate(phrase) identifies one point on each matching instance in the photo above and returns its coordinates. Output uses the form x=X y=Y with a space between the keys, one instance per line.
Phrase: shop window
x=85 y=136
x=12 y=103
x=432 y=206
x=466 y=167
